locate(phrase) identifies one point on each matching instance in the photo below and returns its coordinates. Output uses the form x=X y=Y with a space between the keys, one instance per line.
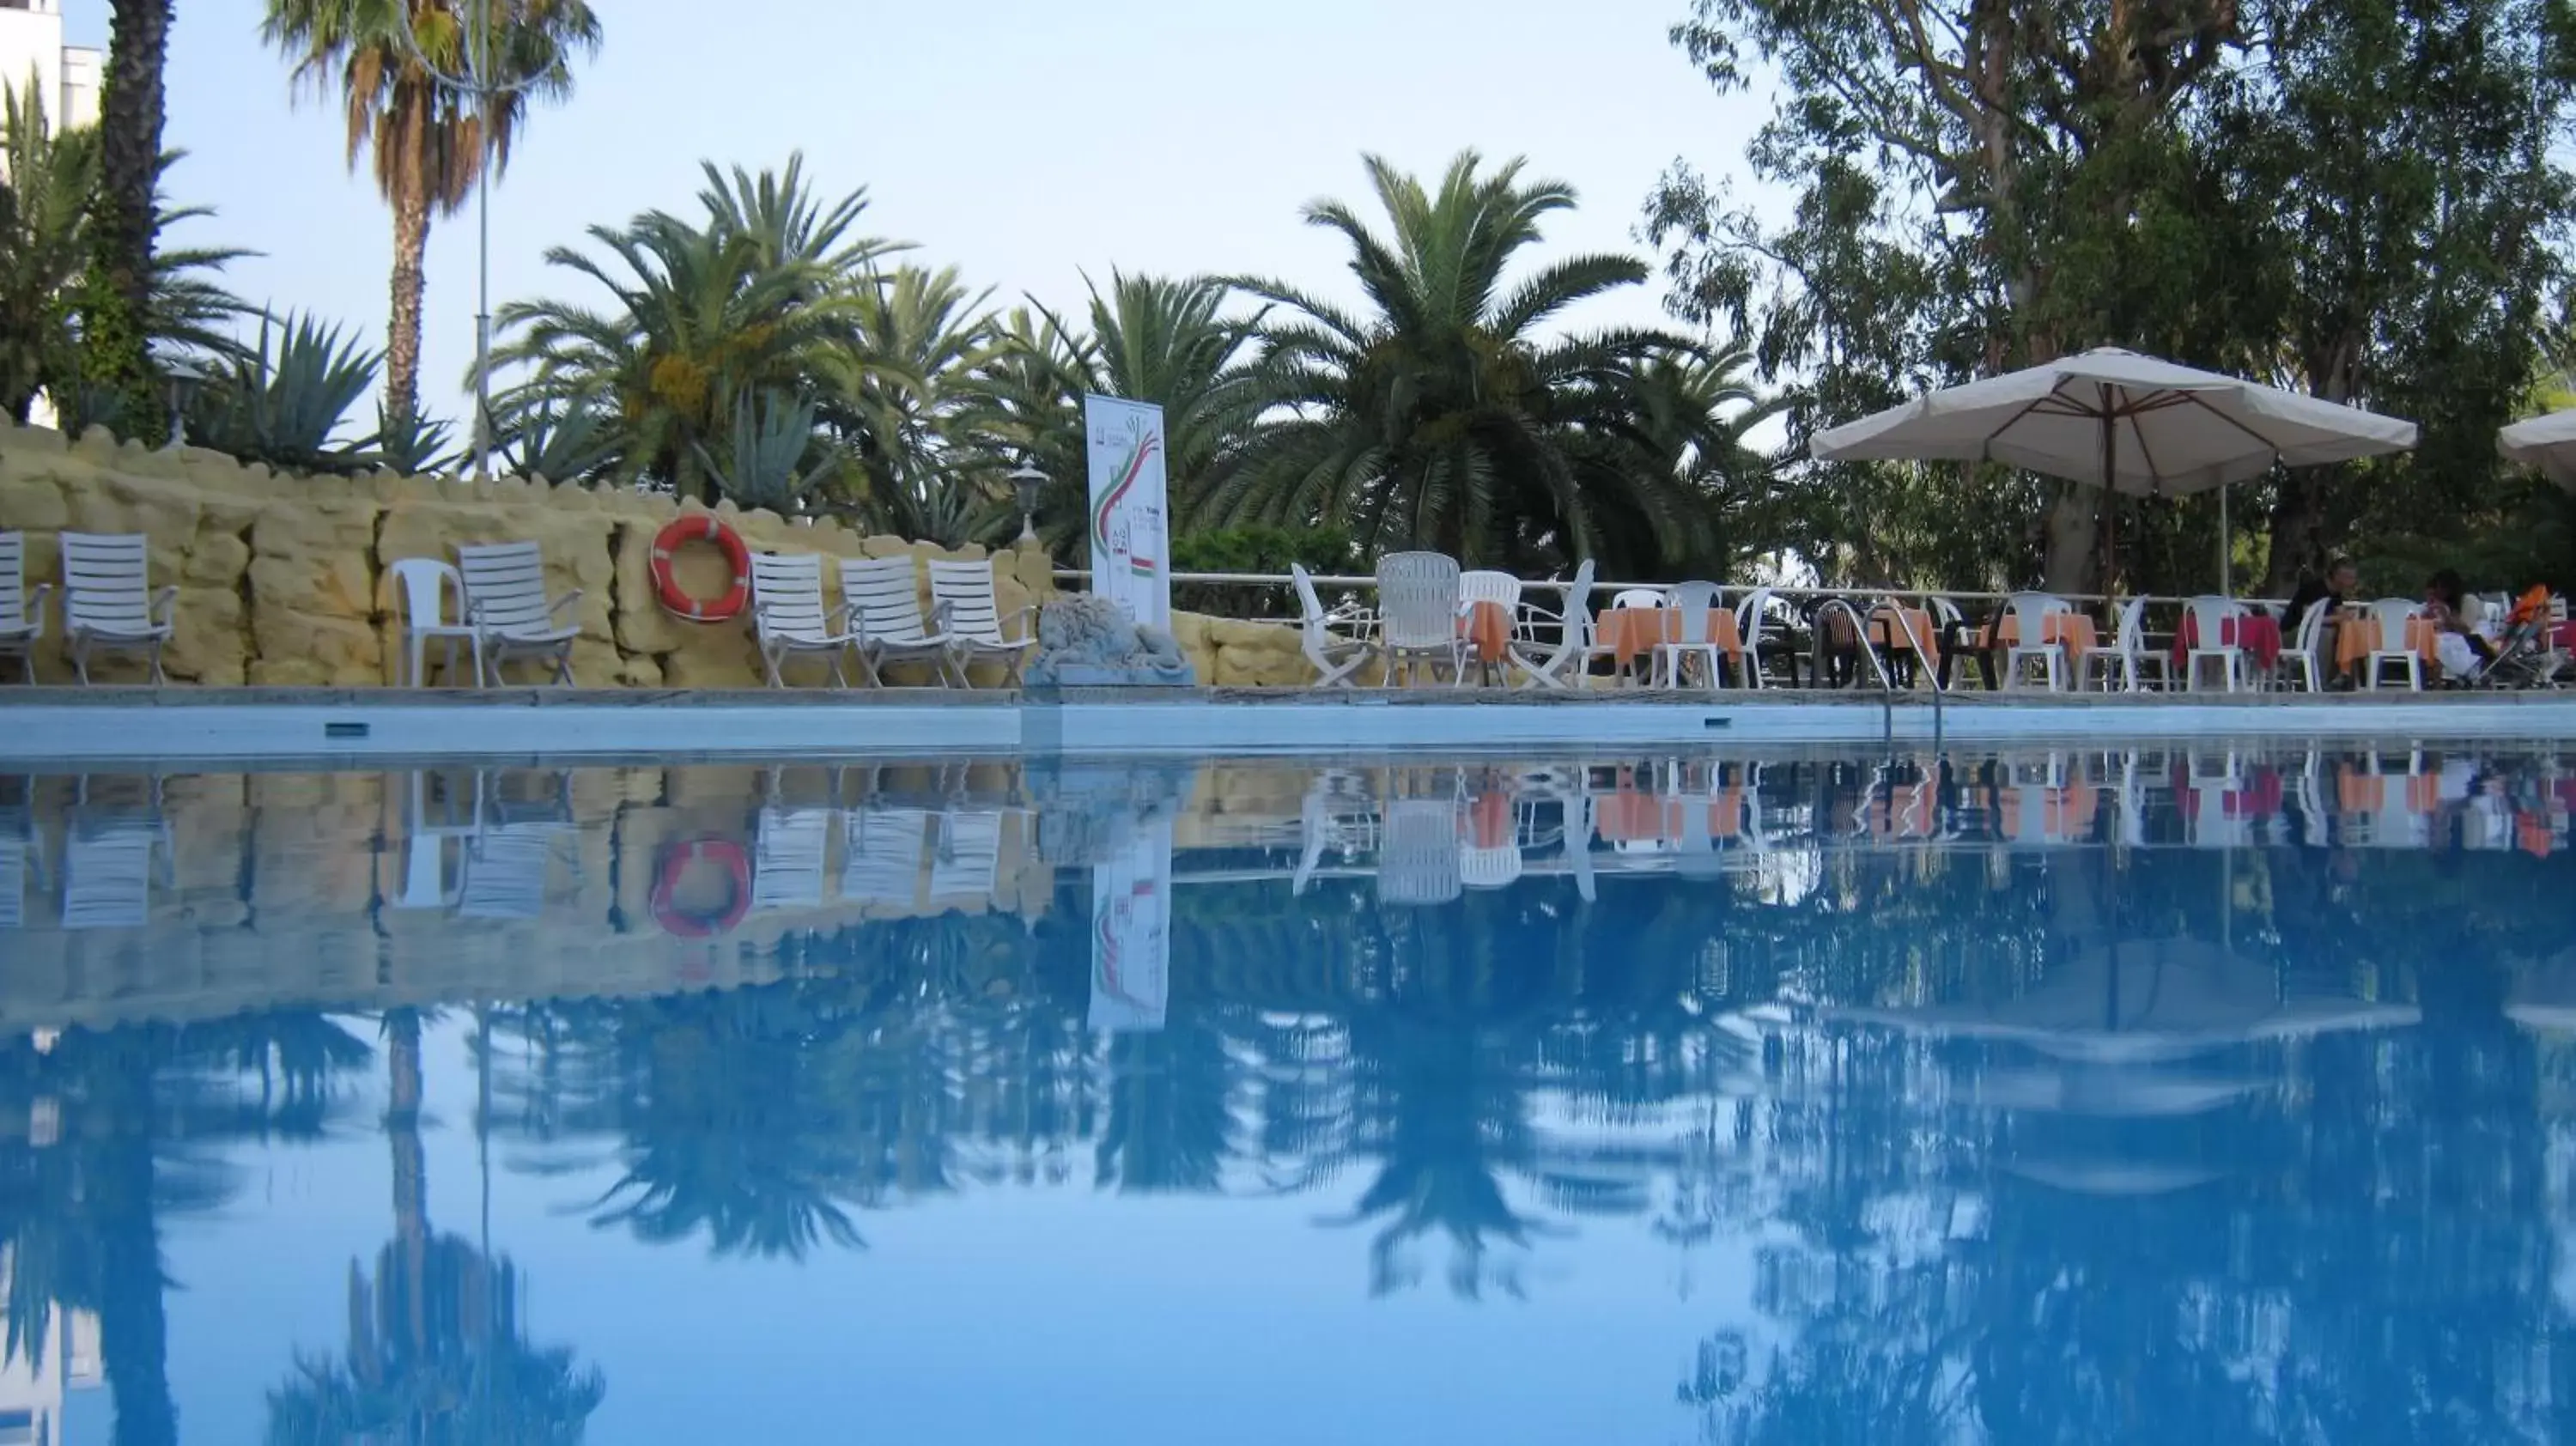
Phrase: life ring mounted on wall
x=675 y=862
x=701 y=527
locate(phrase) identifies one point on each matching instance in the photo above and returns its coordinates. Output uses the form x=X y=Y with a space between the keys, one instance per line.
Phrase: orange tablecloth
x=2063 y=813
x=1490 y=823
x=1632 y=817
x=1893 y=629
x=1630 y=633
x=2355 y=640
x=2360 y=792
x=1487 y=627
x=2074 y=630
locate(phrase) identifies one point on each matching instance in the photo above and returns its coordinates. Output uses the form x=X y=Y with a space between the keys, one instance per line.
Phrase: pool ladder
x=1878 y=665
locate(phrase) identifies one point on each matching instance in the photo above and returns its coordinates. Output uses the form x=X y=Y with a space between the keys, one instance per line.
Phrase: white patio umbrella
x=2131 y=423
x=2547 y=444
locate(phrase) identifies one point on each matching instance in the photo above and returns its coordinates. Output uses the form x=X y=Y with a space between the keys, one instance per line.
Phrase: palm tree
x=897 y=385
x=47 y=181
x=124 y=221
x=430 y=142
x=751 y=300
x=1440 y=417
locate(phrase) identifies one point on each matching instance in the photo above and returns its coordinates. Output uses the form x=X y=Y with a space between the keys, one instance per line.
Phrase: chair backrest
x=2030 y=614
x=1944 y=611
x=1578 y=606
x=787 y=595
x=965 y=589
x=1638 y=597
x=1310 y=608
x=1417 y=597
x=1748 y=615
x=2391 y=615
x=887 y=596
x=1694 y=601
x=13 y=581
x=422 y=584
x=505 y=585
x=103 y=581
x=2132 y=639
x=1494 y=587
x=2210 y=621
x=2311 y=628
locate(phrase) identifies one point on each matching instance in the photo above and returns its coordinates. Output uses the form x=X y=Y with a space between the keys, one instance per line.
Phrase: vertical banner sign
x=1131 y=536
x=1131 y=930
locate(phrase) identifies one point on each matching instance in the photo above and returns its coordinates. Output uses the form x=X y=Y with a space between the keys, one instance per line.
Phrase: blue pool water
x=2094 y=1095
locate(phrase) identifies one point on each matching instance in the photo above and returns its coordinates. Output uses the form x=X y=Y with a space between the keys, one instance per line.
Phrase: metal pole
x=483 y=245
x=2226 y=550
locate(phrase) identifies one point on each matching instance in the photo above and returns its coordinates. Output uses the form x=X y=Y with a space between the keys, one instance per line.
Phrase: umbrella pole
x=2226 y=550
x=2110 y=493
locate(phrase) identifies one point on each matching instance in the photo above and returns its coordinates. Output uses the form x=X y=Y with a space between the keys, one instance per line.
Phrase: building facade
x=32 y=48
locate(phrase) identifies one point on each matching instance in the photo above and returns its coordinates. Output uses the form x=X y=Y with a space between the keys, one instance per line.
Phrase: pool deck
x=164 y=725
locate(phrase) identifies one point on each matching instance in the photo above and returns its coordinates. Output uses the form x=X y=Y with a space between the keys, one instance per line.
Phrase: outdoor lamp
x=1032 y=485
x=184 y=376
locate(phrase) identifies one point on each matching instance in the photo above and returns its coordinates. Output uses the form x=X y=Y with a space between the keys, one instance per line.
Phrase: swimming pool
x=2012 y=1095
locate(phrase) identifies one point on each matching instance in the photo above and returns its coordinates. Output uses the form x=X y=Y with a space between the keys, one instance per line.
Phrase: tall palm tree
x=47 y=180
x=749 y=300
x=1441 y=416
x=429 y=142
x=896 y=386
x=118 y=294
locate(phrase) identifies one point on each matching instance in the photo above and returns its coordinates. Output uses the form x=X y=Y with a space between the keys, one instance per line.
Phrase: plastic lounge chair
x=885 y=602
x=2030 y=612
x=1694 y=601
x=2301 y=665
x=2212 y=620
x=1336 y=655
x=1565 y=664
x=968 y=865
x=22 y=617
x=108 y=864
x=108 y=605
x=2389 y=618
x=21 y=858
x=1418 y=860
x=788 y=858
x=507 y=606
x=422 y=585
x=964 y=606
x=789 y=619
x=506 y=868
x=1417 y=598
x=883 y=862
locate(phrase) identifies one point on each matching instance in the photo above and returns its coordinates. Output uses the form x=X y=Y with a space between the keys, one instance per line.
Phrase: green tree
x=1441 y=416
x=47 y=182
x=429 y=142
x=125 y=222
x=899 y=381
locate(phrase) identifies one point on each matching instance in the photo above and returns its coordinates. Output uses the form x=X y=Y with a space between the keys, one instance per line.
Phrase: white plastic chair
x=1417 y=862
x=1637 y=597
x=21 y=858
x=111 y=855
x=788 y=859
x=1498 y=867
x=22 y=618
x=789 y=618
x=2030 y=612
x=965 y=608
x=1751 y=618
x=968 y=865
x=1417 y=601
x=2301 y=664
x=883 y=860
x=2124 y=663
x=426 y=873
x=108 y=603
x=1336 y=655
x=506 y=604
x=2212 y=620
x=1693 y=602
x=884 y=599
x=506 y=869
x=423 y=585
x=2389 y=616
x=1563 y=666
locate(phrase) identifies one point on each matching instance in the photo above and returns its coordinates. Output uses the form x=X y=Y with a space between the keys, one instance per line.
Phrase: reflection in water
x=2056 y=1096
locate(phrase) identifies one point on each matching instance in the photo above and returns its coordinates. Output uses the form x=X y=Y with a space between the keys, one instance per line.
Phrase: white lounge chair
x=423 y=585
x=21 y=858
x=1418 y=863
x=1692 y=602
x=507 y=606
x=789 y=619
x=966 y=608
x=2390 y=617
x=506 y=870
x=968 y=865
x=109 y=863
x=1335 y=642
x=884 y=599
x=108 y=603
x=788 y=860
x=1417 y=604
x=882 y=863
x=1565 y=664
x=22 y=617
x=2030 y=612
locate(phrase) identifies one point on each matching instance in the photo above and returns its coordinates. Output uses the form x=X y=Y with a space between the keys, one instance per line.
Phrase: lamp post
x=478 y=85
x=1031 y=484
x=183 y=376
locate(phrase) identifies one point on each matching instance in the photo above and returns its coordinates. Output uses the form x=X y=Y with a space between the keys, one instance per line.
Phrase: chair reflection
x=111 y=854
x=484 y=851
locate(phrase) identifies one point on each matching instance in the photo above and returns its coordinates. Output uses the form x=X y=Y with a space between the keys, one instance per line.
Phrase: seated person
x=2331 y=592
x=2462 y=649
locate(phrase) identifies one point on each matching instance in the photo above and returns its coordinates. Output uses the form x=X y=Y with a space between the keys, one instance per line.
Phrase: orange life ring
x=675 y=861
x=695 y=527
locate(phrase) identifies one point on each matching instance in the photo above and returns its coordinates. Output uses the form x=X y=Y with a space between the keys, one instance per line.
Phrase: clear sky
x=1024 y=142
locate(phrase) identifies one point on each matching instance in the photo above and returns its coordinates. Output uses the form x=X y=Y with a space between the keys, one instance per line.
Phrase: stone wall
x=283 y=579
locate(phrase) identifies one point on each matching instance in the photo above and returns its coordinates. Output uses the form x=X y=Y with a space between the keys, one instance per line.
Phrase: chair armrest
x=36 y=608
x=1018 y=618
x=165 y=606
x=559 y=604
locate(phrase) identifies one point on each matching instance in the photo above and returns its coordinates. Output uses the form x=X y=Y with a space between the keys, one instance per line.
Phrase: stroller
x=2526 y=656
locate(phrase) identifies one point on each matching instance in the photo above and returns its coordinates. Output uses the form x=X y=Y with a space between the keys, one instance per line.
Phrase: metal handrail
x=1913 y=595
x=1878 y=665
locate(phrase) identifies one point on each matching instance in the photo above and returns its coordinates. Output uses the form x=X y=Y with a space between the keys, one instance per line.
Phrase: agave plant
x=283 y=402
x=562 y=440
x=772 y=435
x=412 y=443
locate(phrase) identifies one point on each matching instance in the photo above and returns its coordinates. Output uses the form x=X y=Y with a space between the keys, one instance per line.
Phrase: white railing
x=1863 y=595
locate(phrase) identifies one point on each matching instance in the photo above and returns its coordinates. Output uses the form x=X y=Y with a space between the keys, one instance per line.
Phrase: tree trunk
x=410 y=284
x=410 y=1162
x=133 y=1324
x=2071 y=560
x=119 y=289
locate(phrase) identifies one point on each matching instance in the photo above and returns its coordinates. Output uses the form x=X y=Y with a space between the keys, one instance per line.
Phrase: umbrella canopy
x=2154 y=428
x=2545 y=443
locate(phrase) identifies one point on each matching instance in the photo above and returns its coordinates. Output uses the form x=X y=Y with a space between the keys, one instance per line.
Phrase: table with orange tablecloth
x=1633 y=816
x=1631 y=633
x=2358 y=637
x=1487 y=628
x=2073 y=631
x=1902 y=629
